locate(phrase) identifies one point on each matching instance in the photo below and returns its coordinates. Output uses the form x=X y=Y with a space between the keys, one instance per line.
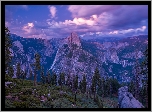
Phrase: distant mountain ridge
x=74 y=55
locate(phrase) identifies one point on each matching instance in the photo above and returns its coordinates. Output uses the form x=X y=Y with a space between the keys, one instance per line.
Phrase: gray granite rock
x=126 y=99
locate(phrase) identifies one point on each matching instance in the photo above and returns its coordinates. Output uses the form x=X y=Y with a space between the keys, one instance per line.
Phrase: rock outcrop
x=73 y=39
x=126 y=99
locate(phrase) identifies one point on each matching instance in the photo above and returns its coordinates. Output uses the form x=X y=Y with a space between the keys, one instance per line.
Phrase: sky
x=88 y=21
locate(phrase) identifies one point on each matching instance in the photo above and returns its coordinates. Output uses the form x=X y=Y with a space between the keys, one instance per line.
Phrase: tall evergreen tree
x=42 y=75
x=11 y=71
x=61 y=80
x=95 y=81
x=144 y=72
x=25 y=74
x=75 y=82
x=18 y=72
x=22 y=74
x=54 y=79
x=48 y=77
x=132 y=87
x=93 y=86
x=83 y=84
x=37 y=67
x=8 y=45
x=68 y=80
x=30 y=75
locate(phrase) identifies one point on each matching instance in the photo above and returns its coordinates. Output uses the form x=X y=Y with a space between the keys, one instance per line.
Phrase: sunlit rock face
x=73 y=39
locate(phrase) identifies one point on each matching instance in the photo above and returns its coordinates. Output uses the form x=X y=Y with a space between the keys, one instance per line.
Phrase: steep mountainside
x=73 y=55
x=72 y=59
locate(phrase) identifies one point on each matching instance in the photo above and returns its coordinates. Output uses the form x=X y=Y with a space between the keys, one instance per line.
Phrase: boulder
x=126 y=99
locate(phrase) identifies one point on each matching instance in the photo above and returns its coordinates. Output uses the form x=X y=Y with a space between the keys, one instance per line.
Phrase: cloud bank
x=88 y=21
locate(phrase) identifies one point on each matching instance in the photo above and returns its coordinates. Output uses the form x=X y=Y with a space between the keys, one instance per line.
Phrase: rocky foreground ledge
x=126 y=99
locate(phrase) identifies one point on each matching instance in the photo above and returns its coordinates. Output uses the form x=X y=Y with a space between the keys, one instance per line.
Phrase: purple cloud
x=87 y=20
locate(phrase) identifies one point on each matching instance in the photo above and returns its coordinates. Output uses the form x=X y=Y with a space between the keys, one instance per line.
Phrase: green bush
x=7 y=91
x=21 y=104
x=23 y=97
x=33 y=99
x=8 y=78
x=27 y=91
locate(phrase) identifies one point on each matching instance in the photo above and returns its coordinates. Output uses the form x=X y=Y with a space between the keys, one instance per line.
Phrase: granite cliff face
x=72 y=59
x=75 y=56
x=73 y=39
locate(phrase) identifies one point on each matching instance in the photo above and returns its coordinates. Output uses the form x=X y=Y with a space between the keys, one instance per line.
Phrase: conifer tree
x=68 y=80
x=93 y=86
x=37 y=67
x=48 y=77
x=18 y=72
x=30 y=75
x=75 y=82
x=54 y=79
x=61 y=80
x=42 y=75
x=22 y=74
x=132 y=87
x=95 y=81
x=8 y=45
x=11 y=71
x=144 y=72
x=25 y=74
x=83 y=84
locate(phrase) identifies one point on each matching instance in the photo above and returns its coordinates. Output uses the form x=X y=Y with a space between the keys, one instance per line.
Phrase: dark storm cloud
x=129 y=17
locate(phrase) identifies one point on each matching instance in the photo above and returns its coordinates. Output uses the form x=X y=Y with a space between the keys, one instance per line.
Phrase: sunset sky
x=88 y=21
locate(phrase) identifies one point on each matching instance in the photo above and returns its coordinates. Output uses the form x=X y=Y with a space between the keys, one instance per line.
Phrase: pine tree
x=95 y=81
x=18 y=72
x=37 y=67
x=75 y=82
x=31 y=74
x=8 y=45
x=83 y=84
x=11 y=71
x=68 y=80
x=144 y=72
x=48 y=77
x=102 y=87
x=132 y=87
x=42 y=75
x=136 y=71
x=61 y=80
x=24 y=75
x=54 y=79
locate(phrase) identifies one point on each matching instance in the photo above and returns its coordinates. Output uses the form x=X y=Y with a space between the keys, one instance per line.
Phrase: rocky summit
x=73 y=39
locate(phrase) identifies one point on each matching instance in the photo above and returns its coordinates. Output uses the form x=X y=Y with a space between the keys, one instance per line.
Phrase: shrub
x=8 y=78
x=23 y=97
x=7 y=91
x=27 y=91
x=21 y=104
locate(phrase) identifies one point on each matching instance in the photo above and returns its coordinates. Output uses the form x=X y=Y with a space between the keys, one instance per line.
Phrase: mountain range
x=114 y=57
